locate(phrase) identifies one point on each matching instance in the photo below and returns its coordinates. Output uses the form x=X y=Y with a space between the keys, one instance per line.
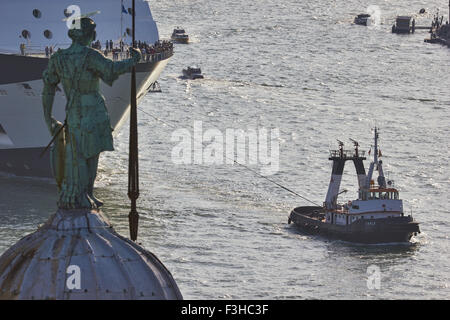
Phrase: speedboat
x=193 y=73
x=179 y=35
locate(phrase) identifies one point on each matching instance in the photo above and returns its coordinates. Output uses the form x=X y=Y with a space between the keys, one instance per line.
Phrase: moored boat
x=404 y=24
x=377 y=216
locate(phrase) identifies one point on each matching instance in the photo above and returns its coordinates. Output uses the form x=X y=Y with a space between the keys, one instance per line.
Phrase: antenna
x=356 y=144
x=341 y=148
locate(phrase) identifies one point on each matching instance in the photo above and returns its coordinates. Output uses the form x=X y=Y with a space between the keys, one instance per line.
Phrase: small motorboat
x=192 y=73
x=362 y=19
x=179 y=35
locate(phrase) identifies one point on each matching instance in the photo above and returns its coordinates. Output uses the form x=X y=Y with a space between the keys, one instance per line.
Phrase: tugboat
x=193 y=73
x=361 y=19
x=375 y=217
x=179 y=35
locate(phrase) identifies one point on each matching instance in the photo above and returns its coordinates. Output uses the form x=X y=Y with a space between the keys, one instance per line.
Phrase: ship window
x=26 y=34
x=48 y=34
x=37 y=13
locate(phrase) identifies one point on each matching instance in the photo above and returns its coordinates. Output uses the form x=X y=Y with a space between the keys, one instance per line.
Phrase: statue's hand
x=135 y=54
x=53 y=126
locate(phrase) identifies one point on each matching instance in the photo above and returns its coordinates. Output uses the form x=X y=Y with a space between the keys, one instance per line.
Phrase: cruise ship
x=27 y=28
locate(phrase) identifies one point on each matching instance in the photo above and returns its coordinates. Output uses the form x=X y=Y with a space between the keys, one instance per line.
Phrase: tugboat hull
x=368 y=231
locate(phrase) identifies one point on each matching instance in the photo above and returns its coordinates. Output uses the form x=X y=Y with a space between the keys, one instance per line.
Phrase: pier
x=440 y=31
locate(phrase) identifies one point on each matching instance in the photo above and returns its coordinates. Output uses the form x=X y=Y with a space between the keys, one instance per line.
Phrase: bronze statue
x=87 y=130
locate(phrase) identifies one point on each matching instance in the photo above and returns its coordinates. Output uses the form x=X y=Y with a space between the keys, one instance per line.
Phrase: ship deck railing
x=115 y=55
x=346 y=153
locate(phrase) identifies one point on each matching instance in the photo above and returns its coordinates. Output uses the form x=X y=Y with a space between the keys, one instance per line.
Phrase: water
x=302 y=68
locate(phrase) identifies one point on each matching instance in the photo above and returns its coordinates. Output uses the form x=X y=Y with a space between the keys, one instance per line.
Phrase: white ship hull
x=25 y=134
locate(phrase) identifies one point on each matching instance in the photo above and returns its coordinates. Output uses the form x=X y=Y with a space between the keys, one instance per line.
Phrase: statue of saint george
x=87 y=130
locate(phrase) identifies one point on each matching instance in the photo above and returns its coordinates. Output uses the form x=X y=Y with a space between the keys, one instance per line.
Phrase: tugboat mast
x=376 y=164
x=375 y=154
x=339 y=158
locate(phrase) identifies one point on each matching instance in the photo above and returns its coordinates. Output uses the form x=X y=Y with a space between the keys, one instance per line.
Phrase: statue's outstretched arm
x=51 y=80
x=109 y=70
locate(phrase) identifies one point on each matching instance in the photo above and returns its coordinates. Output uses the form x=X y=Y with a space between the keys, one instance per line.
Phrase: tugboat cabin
x=376 y=203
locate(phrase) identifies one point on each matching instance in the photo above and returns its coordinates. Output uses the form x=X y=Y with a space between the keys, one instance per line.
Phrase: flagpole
x=133 y=167
x=121 y=20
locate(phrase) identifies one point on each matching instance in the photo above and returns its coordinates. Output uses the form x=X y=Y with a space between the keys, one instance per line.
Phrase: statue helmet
x=85 y=31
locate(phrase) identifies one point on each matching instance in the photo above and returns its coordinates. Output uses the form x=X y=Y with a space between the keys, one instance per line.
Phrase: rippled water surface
x=305 y=69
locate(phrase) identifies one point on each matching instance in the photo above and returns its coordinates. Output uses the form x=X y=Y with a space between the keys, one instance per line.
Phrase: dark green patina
x=87 y=130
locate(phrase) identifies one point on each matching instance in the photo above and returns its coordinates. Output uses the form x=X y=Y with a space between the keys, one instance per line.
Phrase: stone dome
x=76 y=254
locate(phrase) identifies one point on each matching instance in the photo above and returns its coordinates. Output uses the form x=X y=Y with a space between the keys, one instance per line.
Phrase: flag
x=124 y=10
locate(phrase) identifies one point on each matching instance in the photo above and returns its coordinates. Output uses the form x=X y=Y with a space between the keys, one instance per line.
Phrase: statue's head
x=85 y=34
